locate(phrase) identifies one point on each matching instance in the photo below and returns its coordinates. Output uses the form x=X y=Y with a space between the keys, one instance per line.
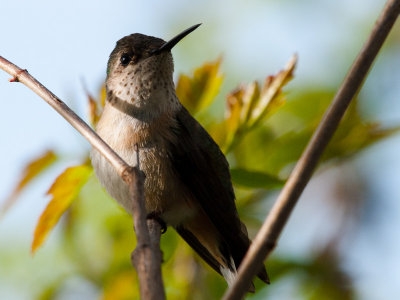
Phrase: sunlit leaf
x=93 y=114
x=102 y=96
x=275 y=146
x=251 y=97
x=240 y=104
x=64 y=190
x=199 y=91
x=248 y=105
x=33 y=169
x=96 y=106
x=254 y=179
x=271 y=93
x=234 y=103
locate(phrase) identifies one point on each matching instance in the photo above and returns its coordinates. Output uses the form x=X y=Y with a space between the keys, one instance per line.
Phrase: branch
x=270 y=231
x=148 y=265
x=147 y=256
x=141 y=258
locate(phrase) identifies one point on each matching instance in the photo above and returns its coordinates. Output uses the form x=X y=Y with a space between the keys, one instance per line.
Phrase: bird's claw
x=156 y=216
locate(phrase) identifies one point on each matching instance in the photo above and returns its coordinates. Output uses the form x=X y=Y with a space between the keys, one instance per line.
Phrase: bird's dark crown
x=134 y=47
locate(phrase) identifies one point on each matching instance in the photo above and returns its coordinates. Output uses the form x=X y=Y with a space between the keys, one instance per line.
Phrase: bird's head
x=140 y=69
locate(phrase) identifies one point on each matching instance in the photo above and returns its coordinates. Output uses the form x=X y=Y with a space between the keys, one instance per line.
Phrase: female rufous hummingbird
x=187 y=180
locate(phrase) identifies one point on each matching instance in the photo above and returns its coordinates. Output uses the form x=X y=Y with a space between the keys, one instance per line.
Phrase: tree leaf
x=96 y=105
x=277 y=144
x=234 y=104
x=199 y=91
x=255 y=179
x=355 y=134
x=64 y=190
x=271 y=93
x=248 y=105
x=34 y=168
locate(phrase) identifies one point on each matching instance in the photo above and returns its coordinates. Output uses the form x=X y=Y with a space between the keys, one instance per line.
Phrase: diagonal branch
x=270 y=231
x=147 y=252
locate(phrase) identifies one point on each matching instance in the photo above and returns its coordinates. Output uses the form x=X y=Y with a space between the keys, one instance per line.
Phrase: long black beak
x=172 y=42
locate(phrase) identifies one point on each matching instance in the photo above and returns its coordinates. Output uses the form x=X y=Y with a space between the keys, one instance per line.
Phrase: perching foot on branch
x=156 y=216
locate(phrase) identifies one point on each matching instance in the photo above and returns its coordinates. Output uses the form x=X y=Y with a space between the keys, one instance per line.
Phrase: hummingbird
x=187 y=180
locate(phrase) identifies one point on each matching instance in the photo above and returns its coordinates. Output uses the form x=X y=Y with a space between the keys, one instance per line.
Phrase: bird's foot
x=156 y=216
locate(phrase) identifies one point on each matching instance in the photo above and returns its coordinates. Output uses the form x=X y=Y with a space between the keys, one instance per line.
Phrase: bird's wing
x=203 y=169
x=201 y=166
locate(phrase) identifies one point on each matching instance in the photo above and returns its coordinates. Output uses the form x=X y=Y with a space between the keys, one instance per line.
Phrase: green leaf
x=64 y=190
x=275 y=145
x=355 y=134
x=254 y=179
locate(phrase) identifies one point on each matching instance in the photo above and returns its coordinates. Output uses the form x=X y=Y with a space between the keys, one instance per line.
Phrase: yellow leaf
x=248 y=105
x=96 y=106
x=271 y=93
x=102 y=96
x=250 y=98
x=64 y=190
x=32 y=169
x=234 y=104
x=93 y=115
x=199 y=91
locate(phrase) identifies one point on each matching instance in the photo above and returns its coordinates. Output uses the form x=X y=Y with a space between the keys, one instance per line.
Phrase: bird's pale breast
x=163 y=192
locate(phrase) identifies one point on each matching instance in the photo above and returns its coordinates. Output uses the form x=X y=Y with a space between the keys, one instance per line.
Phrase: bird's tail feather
x=227 y=270
x=230 y=274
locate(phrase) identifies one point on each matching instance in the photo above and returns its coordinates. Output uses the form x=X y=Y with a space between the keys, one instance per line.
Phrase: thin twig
x=148 y=265
x=270 y=231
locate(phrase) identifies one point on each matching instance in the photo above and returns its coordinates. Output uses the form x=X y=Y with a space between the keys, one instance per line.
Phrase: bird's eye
x=125 y=59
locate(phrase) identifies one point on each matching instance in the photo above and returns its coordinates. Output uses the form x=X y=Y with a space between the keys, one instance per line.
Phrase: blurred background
x=342 y=241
